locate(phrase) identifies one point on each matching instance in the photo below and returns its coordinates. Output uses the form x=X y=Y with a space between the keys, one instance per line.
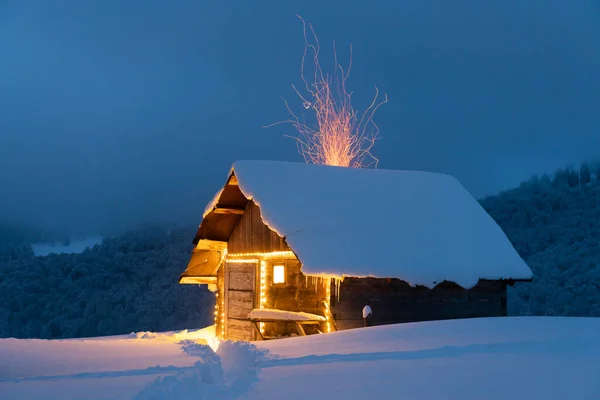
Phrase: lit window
x=278 y=274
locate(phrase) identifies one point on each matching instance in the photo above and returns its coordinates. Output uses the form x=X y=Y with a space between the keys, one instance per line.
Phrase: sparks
x=342 y=136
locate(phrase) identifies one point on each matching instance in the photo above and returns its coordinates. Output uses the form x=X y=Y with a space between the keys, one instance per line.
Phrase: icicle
x=335 y=289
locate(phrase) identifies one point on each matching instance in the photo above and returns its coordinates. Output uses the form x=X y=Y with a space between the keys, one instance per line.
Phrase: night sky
x=117 y=112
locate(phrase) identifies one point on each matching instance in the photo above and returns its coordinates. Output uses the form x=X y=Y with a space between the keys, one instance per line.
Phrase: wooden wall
x=251 y=235
x=240 y=291
x=394 y=301
x=240 y=284
x=220 y=300
x=298 y=293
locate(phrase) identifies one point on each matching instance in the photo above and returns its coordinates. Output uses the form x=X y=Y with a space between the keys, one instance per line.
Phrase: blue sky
x=117 y=112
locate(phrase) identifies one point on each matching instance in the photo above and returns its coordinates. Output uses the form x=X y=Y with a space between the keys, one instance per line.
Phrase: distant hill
x=554 y=223
x=126 y=284
x=129 y=282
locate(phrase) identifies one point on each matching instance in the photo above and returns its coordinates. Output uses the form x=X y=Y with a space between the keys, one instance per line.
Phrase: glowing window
x=278 y=274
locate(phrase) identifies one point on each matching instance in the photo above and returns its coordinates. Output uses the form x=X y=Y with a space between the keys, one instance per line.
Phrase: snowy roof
x=421 y=227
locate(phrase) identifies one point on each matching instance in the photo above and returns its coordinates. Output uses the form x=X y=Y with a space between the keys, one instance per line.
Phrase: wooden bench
x=304 y=323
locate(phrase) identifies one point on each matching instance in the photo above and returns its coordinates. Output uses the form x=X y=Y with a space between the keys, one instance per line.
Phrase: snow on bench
x=266 y=314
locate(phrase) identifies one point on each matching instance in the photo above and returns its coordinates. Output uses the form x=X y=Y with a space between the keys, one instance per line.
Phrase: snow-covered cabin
x=327 y=241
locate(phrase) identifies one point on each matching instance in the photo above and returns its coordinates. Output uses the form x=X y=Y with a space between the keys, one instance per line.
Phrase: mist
x=114 y=114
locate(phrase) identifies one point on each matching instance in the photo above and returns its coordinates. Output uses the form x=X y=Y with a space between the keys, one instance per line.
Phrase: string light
x=244 y=260
x=327 y=300
x=216 y=307
x=261 y=258
x=263 y=288
x=223 y=322
x=222 y=317
x=273 y=254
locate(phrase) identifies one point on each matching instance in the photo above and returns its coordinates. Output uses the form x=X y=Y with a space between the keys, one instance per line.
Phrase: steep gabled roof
x=421 y=227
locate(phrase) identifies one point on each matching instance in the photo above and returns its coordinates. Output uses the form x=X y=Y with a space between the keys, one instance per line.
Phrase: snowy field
x=498 y=358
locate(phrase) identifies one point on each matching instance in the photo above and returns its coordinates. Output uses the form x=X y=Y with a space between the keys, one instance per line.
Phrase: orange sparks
x=342 y=136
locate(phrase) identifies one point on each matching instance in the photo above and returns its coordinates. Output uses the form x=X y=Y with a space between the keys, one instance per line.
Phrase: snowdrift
x=497 y=358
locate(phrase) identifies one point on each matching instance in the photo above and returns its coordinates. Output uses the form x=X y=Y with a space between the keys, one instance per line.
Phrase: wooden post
x=256 y=327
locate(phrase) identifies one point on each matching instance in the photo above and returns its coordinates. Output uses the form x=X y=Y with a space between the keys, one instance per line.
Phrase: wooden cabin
x=294 y=248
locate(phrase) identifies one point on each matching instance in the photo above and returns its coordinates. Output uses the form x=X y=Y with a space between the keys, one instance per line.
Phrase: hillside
x=554 y=223
x=129 y=282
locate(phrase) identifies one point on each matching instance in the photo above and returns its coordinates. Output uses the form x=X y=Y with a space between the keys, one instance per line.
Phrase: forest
x=129 y=282
x=554 y=223
x=126 y=284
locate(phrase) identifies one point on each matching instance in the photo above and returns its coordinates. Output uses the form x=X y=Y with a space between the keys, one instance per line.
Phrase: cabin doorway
x=240 y=285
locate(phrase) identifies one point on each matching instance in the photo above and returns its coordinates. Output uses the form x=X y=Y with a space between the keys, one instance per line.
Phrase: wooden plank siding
x=238 y=329
x=240 y=303
x=394 y=301
x=240 y=295
x=251 y=235
x=220 y=299
x=298 y=293
x=241 y=276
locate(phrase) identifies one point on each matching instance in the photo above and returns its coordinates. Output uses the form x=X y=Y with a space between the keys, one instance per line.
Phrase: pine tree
x=572 y=177
x=596 y=168
x=561 y=178
x=585 y=175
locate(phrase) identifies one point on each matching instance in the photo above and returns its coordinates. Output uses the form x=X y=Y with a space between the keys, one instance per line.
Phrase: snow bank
x=141 y=366
x=472 y=359
x=421 y=227
x=266 y=313
x=203 y=336
x=105 y=368
x=76 y=246
x=202 y=381
x=24 y=359
x=241 y=365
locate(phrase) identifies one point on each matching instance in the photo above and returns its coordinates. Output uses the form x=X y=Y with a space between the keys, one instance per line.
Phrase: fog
x=115 y=113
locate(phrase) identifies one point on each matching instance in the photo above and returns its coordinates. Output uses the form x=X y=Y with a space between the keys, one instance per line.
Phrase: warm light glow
x=216 y=307
x=327 y=300
x=263 y=287
x=342 y=136
x=234 y=257
x=278 y=278
x=243 y=260
x=223 y=317
x=278 y=274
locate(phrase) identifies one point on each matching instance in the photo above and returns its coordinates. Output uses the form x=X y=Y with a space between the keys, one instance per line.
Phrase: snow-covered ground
x=76 y=246
x=496 y=358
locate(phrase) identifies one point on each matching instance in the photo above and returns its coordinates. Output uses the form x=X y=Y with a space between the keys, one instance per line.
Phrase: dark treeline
x=129 y=282
x=554 y=223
